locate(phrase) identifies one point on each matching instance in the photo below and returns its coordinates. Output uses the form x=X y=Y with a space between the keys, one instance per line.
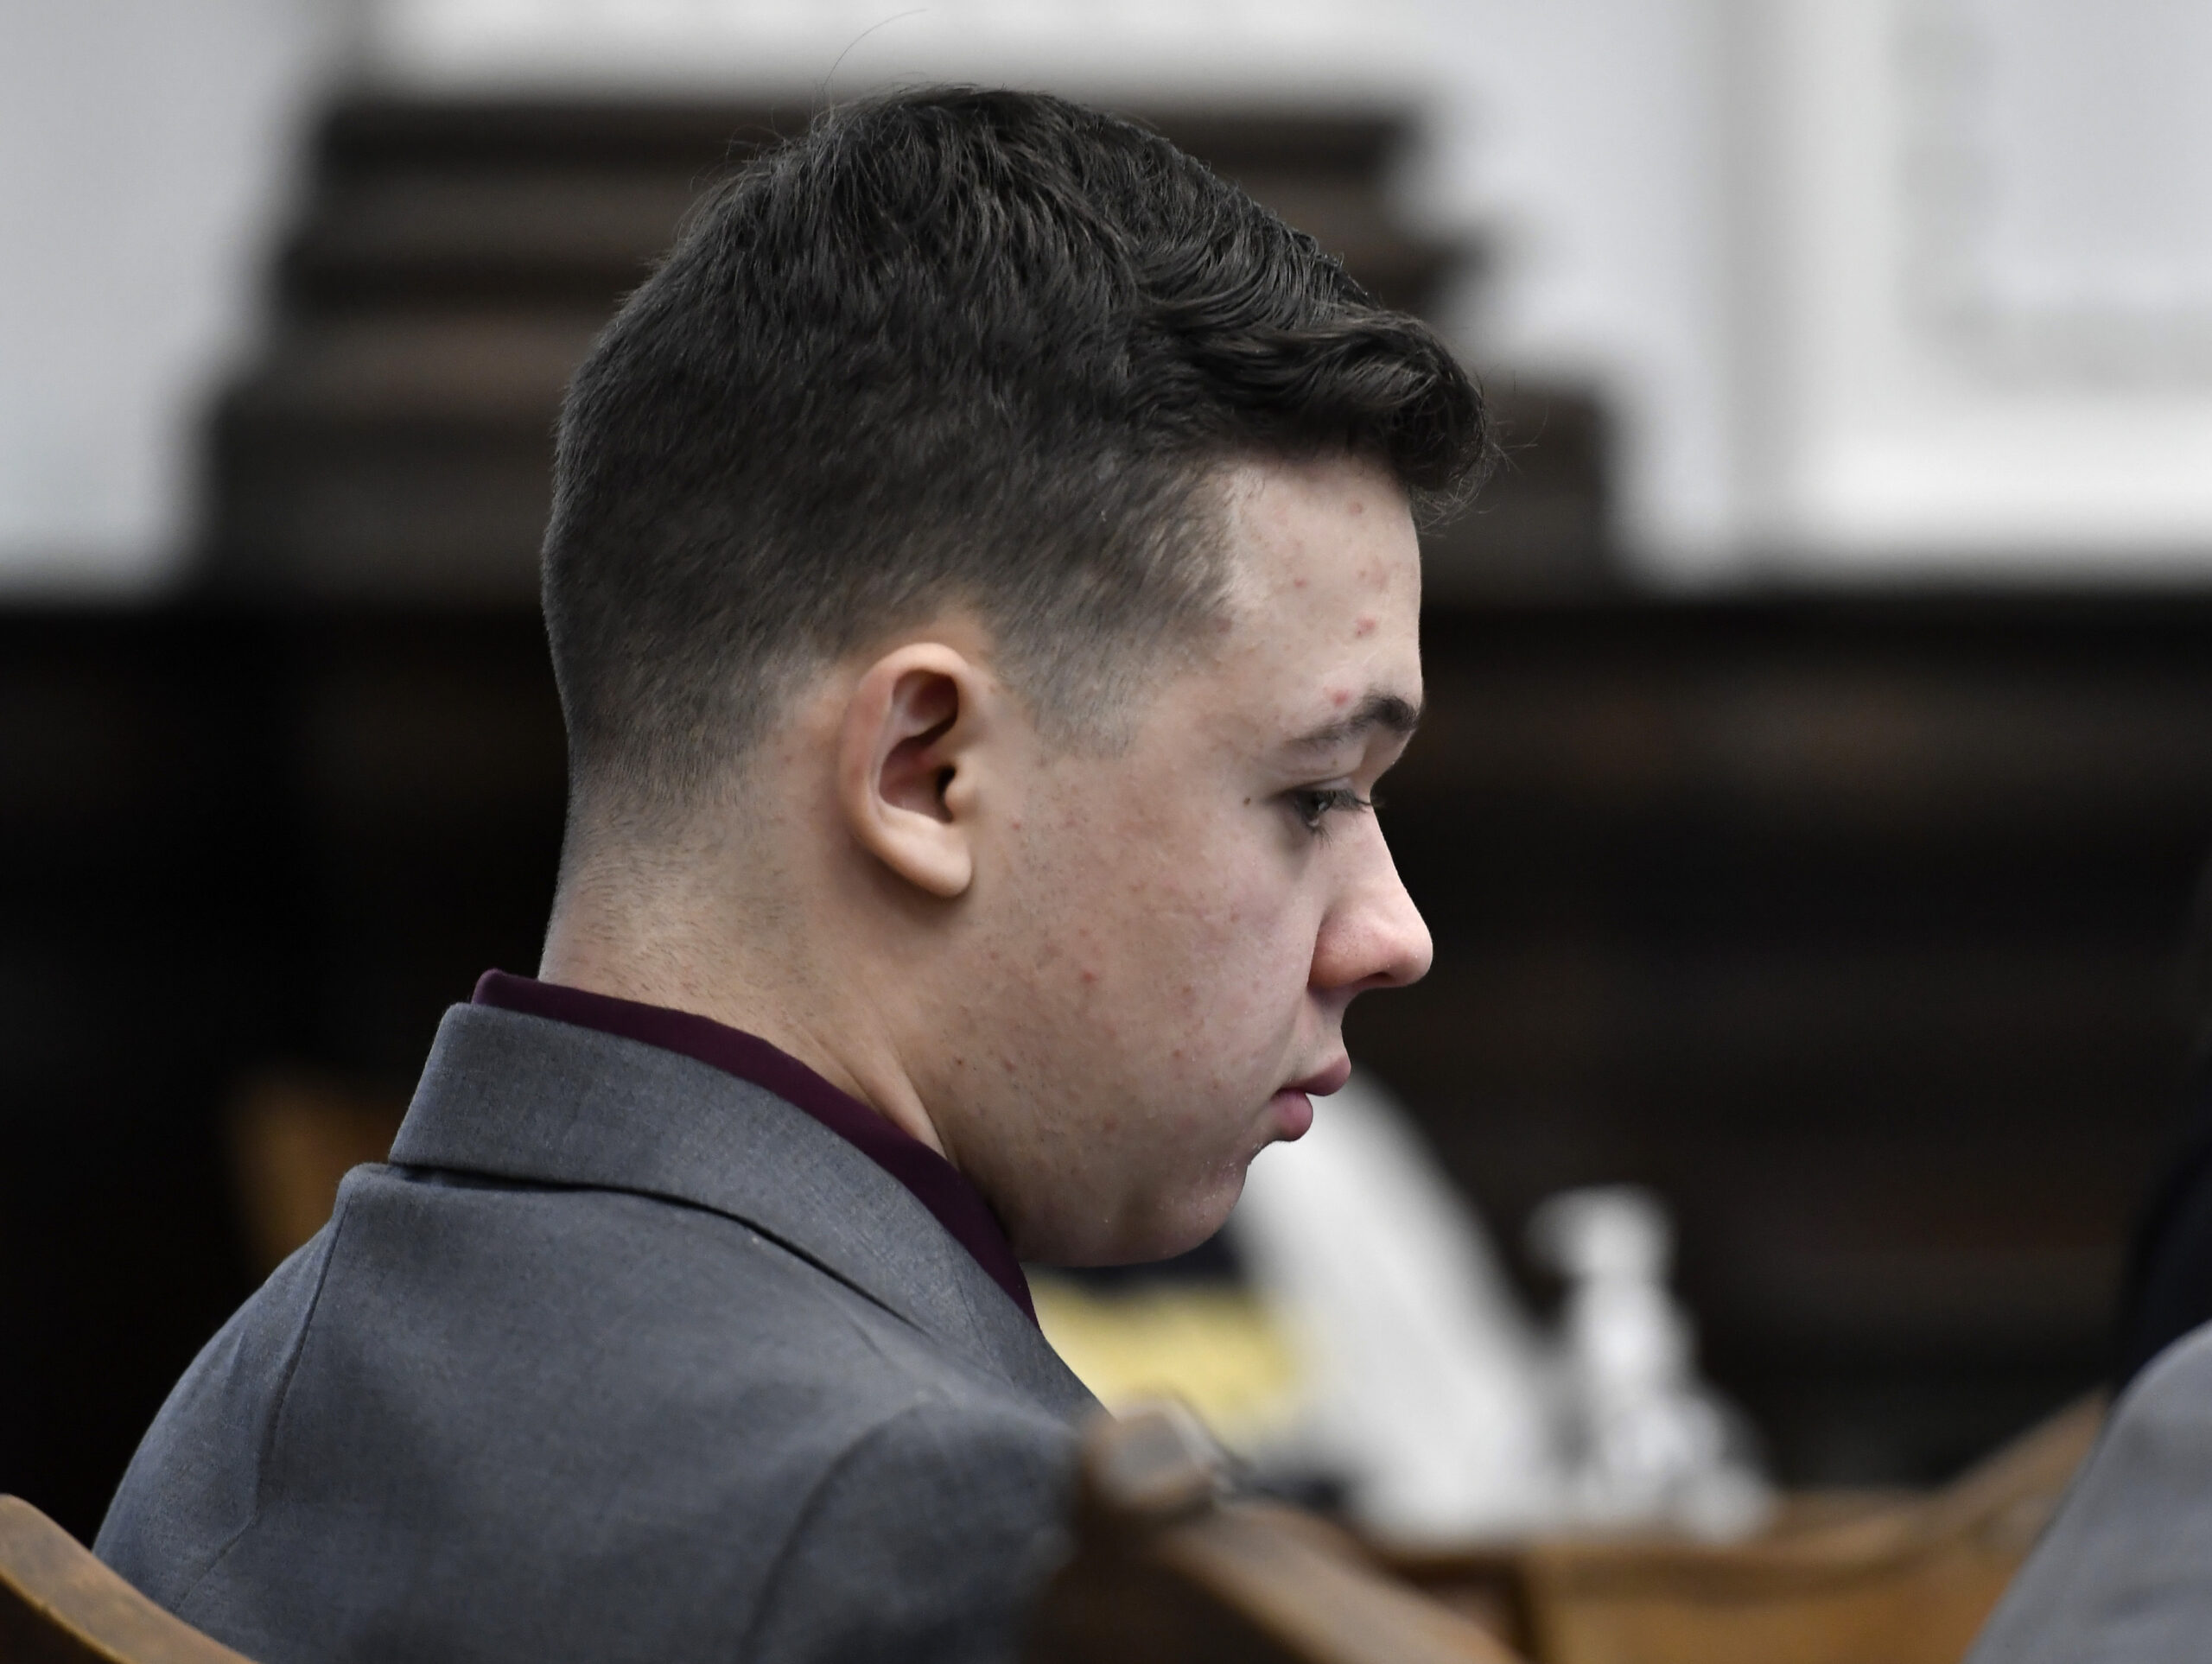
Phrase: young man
x=983 y=593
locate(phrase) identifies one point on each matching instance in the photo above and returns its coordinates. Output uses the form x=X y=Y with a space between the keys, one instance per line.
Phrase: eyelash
x=1314 y=804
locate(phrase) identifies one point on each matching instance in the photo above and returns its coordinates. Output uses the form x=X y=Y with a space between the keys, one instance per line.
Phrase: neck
x=664 y=940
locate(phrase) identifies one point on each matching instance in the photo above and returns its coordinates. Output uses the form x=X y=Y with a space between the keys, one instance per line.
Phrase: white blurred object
x=1649 y=1445
x=1381 y=1345
x=1329 y=52
x=1426 y=1388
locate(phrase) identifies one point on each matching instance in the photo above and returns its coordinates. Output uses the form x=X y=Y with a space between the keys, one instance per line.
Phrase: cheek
x=1227 y=956
x=1170 y=953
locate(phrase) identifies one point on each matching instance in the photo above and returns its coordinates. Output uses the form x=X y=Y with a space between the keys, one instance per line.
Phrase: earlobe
x=906 y=766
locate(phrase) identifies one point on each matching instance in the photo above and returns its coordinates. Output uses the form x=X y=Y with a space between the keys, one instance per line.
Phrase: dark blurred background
x=1820 y=759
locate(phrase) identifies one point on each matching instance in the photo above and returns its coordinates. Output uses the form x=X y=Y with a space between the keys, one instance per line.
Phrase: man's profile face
x=1175 y=930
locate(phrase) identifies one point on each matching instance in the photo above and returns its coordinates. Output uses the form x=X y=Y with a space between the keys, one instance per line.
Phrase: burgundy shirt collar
x=935 y=1183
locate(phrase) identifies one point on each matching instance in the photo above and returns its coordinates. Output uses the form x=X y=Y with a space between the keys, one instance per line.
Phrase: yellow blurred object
x=1213 y=1345
x=292 y=1137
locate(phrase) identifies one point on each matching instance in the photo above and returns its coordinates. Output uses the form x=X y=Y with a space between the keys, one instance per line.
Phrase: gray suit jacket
x=2124 y=1574
x=622 y=1358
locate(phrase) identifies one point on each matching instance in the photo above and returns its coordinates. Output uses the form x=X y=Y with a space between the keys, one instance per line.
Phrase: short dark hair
x=951 y=346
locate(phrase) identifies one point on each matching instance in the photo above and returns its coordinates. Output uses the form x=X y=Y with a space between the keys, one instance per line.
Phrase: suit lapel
x=523 y=1097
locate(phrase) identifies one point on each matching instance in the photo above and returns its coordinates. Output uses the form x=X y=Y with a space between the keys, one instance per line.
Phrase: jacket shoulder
x=2120 y=1573
x=494 y=1418
x=195 y=1477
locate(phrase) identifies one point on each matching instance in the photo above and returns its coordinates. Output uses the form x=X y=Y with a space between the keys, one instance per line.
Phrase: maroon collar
x=935 y=1183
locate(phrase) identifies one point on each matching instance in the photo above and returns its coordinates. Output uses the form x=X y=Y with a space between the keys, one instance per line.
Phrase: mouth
x=1293 y=1105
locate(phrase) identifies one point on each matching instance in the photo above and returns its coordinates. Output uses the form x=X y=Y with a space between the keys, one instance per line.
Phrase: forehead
x=1325 y=591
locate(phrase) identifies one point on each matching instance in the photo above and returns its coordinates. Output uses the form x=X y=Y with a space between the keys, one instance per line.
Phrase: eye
x=1313 y=805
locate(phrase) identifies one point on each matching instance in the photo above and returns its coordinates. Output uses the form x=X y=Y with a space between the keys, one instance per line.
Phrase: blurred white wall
x=144 y=147
x=1323 y=50
x=1590 y=144
x=1875 y=289
x=1978 y=270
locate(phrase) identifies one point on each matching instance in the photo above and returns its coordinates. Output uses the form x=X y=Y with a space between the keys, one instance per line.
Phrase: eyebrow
x=1377 y=710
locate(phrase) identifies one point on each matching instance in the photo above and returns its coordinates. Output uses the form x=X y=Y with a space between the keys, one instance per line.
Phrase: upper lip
x=1325 y=1080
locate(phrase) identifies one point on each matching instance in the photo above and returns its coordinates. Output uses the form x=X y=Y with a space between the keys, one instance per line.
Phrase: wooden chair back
x=1166 y=1571
x=59 y=1605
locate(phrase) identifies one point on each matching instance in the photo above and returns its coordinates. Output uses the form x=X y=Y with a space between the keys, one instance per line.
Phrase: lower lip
x=1293 y=1113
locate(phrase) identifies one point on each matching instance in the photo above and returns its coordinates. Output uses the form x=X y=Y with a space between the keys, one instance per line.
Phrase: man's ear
x=907 y=774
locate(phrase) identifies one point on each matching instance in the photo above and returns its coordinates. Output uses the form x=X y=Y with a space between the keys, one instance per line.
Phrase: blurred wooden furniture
x=1166 y=1572
x=59 y=1605
x=292 y=1137
x=1891 y=1582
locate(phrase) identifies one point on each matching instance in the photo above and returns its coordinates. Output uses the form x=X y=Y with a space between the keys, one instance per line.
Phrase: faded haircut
x=950 y=347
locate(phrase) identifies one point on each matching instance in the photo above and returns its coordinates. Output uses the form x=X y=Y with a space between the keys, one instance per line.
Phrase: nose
x=1374 y=937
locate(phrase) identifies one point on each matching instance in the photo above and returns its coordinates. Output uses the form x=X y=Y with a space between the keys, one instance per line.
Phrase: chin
x=1194 y=1223
x=1162 y=1234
